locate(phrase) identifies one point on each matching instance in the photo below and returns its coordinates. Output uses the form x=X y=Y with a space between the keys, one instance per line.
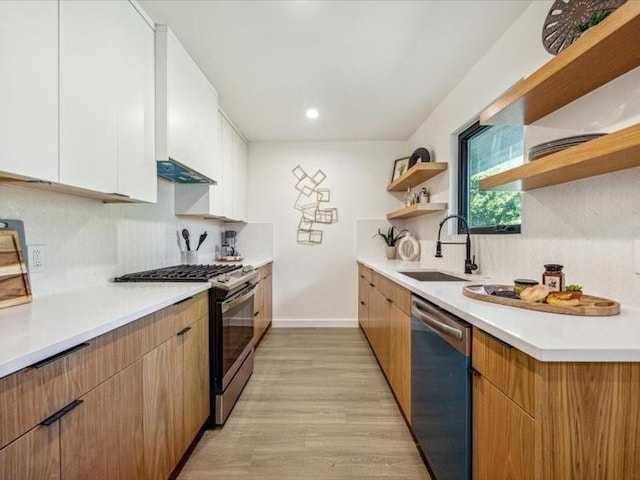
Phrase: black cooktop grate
x=179 y=273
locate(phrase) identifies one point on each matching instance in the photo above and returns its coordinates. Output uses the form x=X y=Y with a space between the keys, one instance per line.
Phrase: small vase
x=391 y=252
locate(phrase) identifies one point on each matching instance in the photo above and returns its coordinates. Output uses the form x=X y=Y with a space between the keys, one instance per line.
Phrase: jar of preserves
x=553 y=277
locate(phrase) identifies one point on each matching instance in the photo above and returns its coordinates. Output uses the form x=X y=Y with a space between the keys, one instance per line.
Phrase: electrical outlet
x=36 y=258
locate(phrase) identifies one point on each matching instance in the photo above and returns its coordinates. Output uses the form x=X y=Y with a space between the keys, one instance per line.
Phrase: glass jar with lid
x=553 y=277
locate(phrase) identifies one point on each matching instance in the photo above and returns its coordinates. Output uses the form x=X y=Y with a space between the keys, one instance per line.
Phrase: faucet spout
x=469 y=263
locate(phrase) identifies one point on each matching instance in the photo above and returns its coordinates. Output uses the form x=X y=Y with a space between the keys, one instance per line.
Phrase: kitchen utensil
x=14 y=278
x=185 y=235
x=590 y=306
x=179 y=241
x=18 y=226
x=202 y=237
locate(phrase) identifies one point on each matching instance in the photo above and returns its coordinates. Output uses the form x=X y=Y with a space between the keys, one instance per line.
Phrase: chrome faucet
x=469 y=263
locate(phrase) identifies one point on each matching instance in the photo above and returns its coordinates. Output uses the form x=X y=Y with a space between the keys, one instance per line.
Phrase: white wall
x=87 y=242
x=318 y=282
x=587 y=225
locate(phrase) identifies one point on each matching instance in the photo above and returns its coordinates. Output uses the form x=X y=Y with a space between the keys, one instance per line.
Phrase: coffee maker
x=229 y=244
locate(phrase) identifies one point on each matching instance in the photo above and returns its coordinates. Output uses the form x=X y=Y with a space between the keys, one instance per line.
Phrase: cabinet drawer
x=364 y=272
x=401 y=297
x=510 y=370
x=264 y=272
x=34 y=393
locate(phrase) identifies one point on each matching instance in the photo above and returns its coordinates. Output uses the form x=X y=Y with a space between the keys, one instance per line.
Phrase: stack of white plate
x=547 y=148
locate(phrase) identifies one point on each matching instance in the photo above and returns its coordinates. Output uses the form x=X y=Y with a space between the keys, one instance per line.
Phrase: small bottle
x=424 y=196
x=553 y=277
x=409 y=198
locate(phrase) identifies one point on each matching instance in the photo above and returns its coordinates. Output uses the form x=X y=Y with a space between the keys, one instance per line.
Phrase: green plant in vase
x=391 y=239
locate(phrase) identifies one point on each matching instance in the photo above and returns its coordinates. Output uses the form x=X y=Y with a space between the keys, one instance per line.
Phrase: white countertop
x=54 y=323
x=51 y=324
x=545 y=336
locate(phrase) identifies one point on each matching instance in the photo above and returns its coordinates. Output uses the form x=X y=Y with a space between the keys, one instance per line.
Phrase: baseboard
x=315 y=323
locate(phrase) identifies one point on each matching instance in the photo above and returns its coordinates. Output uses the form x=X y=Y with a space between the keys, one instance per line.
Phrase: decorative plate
x=558 y=31
x=421 y=155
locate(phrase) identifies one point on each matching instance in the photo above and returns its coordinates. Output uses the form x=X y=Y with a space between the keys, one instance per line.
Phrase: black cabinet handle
x=389 y=300
x=474 y=372
x=183 y=331
x=371 y=284
x=61 y=413
x=256 y=314
x=58 y=356
x=361 y=302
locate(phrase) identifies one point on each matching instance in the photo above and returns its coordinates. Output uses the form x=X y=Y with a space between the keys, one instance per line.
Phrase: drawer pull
x=389 y=300
x=371 y=284
x=61 y=413
x=182 y=301
x=474 y=372
x=183 y=331
x=58 y=356
x=362 y=303
x=256 y=314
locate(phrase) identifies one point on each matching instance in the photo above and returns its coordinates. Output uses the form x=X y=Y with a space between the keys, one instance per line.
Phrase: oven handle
x=235 y=301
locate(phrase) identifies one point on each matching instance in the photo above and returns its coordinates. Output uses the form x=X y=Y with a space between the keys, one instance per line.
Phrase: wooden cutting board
x=14 y=279
x=590 y=306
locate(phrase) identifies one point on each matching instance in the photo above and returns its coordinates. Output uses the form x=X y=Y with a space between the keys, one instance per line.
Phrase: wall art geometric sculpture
x=309 y=201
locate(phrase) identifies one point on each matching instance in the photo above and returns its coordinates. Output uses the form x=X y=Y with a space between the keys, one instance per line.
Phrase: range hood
x=176 y=172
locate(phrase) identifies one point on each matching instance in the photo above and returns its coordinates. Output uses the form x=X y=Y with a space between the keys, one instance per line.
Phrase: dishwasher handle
x=455 y=332
x=439 y=326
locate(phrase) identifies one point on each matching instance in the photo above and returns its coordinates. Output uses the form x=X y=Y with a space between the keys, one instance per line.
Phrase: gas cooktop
x=184 y=273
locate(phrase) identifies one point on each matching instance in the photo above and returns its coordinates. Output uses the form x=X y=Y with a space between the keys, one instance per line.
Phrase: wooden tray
x=14 y=279
x=590 y=306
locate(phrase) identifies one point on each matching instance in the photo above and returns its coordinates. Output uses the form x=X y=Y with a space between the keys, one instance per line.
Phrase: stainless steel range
x=230 y=325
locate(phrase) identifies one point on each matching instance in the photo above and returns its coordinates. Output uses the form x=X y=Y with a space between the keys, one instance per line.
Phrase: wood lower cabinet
x=102 y=437
x=384 y=316
x=503 y=435
x=553 y=420
x=125 y=406
x=400 y=357
x=34 y=456
x=195 y=380
x=263 y=303
x=163 y=402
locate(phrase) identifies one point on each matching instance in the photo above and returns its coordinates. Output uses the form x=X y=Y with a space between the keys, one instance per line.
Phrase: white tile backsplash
x=89 y=242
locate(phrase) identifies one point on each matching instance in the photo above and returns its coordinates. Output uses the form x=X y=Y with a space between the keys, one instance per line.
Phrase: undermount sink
x=433 y=276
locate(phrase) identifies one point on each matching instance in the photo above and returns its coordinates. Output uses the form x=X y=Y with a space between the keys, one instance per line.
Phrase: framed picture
x=399 y=167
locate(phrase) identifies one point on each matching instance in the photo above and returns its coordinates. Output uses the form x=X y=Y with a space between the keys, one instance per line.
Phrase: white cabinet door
x=227 y=169
x=239 y=178
x=29 y=89
x=137 y=176
x=191 y=109
x=107 y=122
x=89 y=85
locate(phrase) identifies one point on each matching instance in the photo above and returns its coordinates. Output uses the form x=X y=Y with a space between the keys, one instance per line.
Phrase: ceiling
x=374 y=70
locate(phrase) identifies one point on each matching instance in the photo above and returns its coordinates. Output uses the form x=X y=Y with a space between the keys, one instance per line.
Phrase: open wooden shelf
x=420 y=172
x=600 y=55
x=610 y=153
x=417 y=210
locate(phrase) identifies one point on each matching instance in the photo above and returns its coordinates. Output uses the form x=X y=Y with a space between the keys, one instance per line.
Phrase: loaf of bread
x=534 y=294
x=562 y=299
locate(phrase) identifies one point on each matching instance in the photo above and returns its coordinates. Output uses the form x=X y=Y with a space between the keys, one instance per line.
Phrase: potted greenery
x=390 y=239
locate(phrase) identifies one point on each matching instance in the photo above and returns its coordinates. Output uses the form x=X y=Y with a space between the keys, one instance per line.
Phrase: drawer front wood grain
x=510 y=370
x=401 y=298
x=363 y=292
x=34 y=456
x=503 y=436
x=364 y=272
x=589 y=416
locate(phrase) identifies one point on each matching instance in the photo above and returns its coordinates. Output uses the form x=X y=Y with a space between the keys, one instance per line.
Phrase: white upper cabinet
x=106 y=99
x=228 y=199
x=29 y=89
x=187 y=109
x=239 y=178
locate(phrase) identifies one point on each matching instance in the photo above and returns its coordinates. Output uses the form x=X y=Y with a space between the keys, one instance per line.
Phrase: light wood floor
x=317 y=407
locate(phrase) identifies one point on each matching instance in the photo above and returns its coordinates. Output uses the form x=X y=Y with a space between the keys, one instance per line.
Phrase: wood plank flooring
x=317 y=407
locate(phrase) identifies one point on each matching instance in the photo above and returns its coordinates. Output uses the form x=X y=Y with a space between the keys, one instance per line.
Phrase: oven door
x=236 y=313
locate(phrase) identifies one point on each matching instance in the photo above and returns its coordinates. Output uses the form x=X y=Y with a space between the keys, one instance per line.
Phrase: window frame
x=463 y=186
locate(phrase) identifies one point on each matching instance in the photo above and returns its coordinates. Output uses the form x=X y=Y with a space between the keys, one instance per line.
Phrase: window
x=484 y=151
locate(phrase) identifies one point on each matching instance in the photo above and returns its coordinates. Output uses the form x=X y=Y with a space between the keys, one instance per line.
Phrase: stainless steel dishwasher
x=441 y=389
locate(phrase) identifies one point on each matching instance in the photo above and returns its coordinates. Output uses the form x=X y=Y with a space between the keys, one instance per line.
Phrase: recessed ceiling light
x=312 y=113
